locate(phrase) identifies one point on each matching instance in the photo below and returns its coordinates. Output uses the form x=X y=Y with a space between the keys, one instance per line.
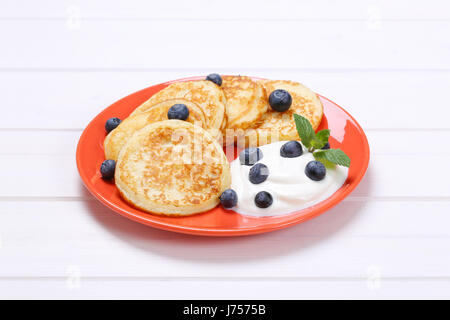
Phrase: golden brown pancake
x=117 y=138
x=172 y=167
x=206 y=94
x=279 y=126
x=246 y=101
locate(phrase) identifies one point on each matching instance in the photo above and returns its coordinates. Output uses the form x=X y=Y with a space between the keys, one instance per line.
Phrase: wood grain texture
x=345 y=242
x=47 y=142
x=70 y=99
x=54 y=175
x=234 y=9
x=134 y=44
x=385 y=62
x=116 y=288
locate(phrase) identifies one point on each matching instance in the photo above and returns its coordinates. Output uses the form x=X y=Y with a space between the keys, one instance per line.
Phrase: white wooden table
x=386 y=62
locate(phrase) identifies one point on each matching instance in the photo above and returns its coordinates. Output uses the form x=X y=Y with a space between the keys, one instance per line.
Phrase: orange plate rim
x=156 y=220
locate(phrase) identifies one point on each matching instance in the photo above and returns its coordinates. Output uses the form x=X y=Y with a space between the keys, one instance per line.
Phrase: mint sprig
x=314 y=141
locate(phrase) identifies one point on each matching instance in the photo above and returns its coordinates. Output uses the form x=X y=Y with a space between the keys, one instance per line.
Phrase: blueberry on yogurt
x=258 y=173
x=263 y=199
x=291 y=149
x=326 y=146
x=250 y=156
x=111 y=124
x=315 y=170
x=107 y=169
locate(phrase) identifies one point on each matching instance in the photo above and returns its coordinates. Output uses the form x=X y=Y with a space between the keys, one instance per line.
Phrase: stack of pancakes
x=176 y=167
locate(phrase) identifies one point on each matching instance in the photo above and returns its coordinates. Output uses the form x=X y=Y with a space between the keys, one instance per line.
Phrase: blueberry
x=280 y=100
x=178 y=111
x=258 y=173
x=107 y=169
x=263 y=199
x=291 y=149
x=327 y=146
x=112 y=123
x=228 y=198
x=214 y=77
x=315 y=170
x=250 y=156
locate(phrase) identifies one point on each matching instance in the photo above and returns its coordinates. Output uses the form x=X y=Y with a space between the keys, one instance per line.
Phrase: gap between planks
x=348 y=199
x=206 y=278
x=242 y=19
x=366 y=129
x=224 y=70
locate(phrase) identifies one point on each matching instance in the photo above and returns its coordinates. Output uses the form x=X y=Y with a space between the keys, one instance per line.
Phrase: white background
x=386 y=62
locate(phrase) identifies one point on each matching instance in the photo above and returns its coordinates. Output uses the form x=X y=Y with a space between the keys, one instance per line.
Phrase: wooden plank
x=372 y=288
x=386 y=63
x=204 y=9
x=388 y=176
x=354 y=239
x=64 y=142
x=70 y=100
x=243 y=44
x=27 y=142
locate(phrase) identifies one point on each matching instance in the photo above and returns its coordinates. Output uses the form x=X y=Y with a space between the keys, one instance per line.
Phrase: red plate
x=346 y=134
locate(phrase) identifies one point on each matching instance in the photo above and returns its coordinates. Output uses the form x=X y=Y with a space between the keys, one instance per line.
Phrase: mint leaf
x=328 y=164
x=304 y=129
x=336 y=156
x=321 y=139
x=314 y=141
x=316 y=144
x=323 y=136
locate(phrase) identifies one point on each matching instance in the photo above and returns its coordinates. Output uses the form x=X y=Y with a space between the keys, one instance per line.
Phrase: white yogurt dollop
x=287 y=182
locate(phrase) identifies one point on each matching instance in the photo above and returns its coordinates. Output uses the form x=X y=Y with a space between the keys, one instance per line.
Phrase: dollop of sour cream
x=287 y=182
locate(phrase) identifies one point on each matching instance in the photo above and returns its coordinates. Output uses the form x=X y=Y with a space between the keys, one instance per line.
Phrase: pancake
x=172 y=167
x=206 y=94
x=117 y=138
x=246 y=101
x=279 y=126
